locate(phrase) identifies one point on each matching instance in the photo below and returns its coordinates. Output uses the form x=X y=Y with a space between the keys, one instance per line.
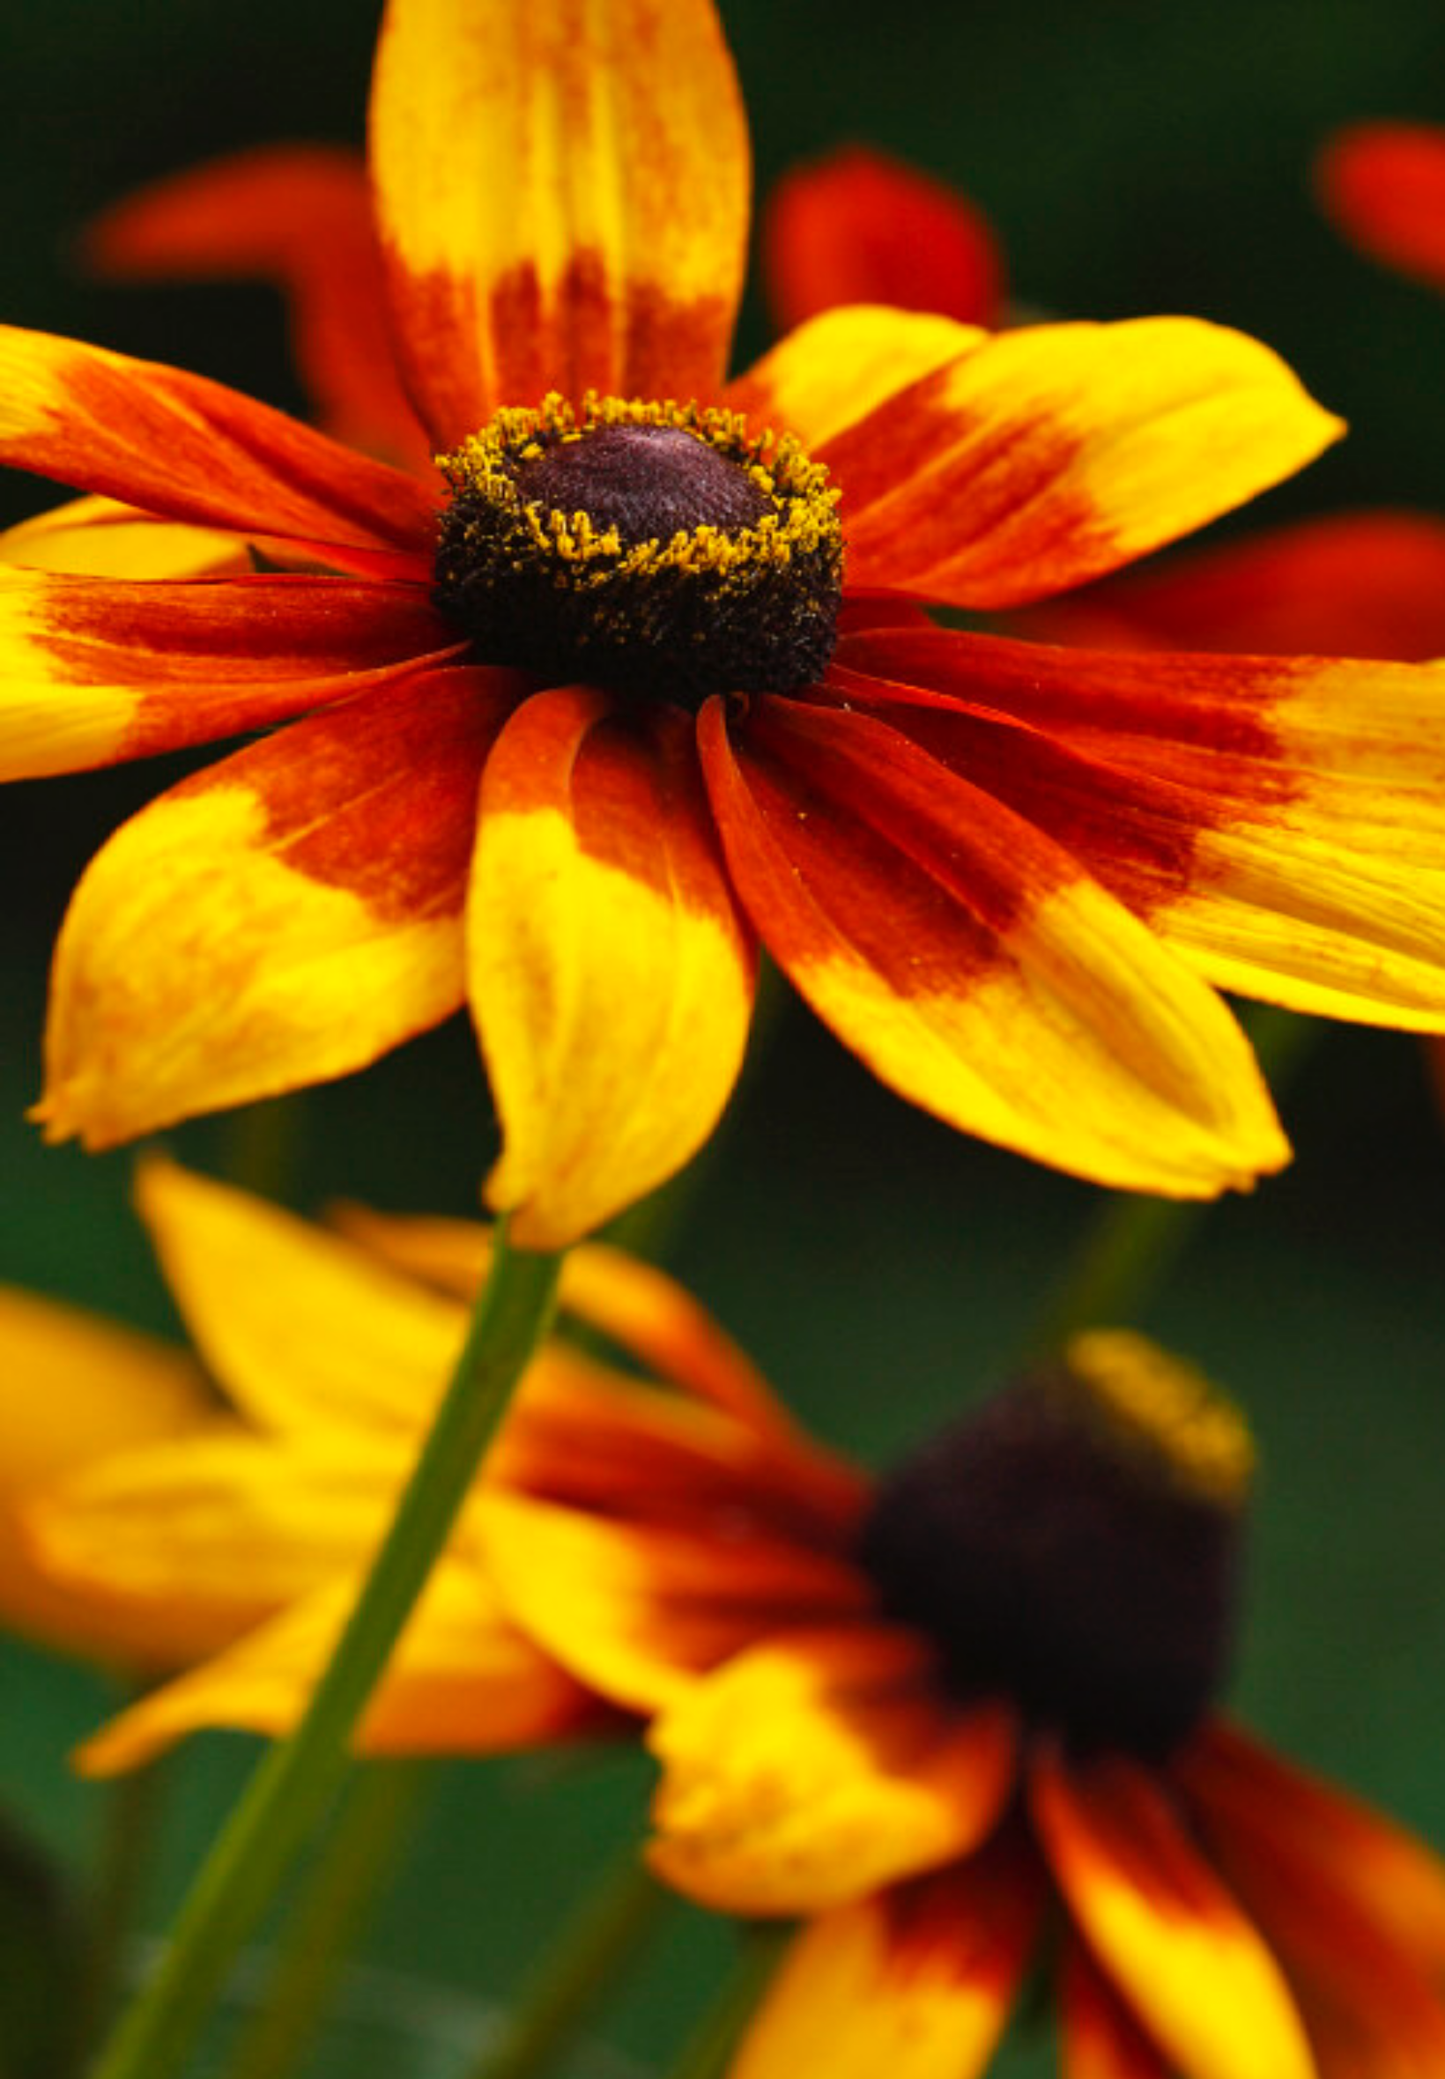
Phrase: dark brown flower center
x=1074 y=1544
x=656 y=549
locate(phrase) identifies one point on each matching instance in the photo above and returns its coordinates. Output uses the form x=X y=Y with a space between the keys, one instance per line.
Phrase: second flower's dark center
x=658 y=549
x=1074 y=1545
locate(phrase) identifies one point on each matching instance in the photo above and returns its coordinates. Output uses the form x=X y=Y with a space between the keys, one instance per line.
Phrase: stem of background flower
x=293 y=1786
x=707 y=2051
x=261 y=1143
x=603 y=1938
x=129 y=1823
x=356 y=1859
x=1134 y=1242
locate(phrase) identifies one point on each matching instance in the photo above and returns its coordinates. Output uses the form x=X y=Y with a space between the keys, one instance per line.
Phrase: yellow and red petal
x=973 y=964
x=298 y=215
x=306 y=1331
x=95 y=670
x=189 y=449
x=278 y=920
x=857 y=226
x=1368 y=1982
x=1334 y=1843
x=461 y=1681
x=818 y=1766
x=1384 y=186
x=1162 y=1924
x=915 y=1982
x=1359 y=584
x=98 y=537
x=78 y=1388
x=562 y=197
x=595 y=1440
x=1050 y=455
x=1101 y=2038
x=836 y=368
x=1277 y=821
x=638 y=1610
x=610 y=975
x=632 y=1303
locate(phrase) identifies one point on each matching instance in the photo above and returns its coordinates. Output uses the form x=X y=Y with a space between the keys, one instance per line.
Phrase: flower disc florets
x=1074 y=1545
x=659 y=549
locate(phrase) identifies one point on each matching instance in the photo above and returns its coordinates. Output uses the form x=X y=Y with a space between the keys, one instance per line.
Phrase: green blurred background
x=1135 y=158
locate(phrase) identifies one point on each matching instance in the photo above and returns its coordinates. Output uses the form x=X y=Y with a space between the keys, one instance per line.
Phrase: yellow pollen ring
x=1165 y=1411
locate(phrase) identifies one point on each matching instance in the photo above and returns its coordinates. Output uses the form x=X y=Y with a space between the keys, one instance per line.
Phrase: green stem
x=131 y=1806
x=708 y=2050
x=597 y=1945
x=356 y=1859
x=289 y=1792
x=1135 y=1242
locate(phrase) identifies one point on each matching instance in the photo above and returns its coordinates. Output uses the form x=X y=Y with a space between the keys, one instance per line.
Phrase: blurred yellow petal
x=913 y=1983
x=811 y=1770
x=636 y=1610
x=611 y=978
x=1163 y=1925
x=76 y=1389
x=461 y=1681
x=307 y=1331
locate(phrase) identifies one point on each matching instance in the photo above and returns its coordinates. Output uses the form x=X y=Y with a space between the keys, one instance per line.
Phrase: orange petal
x=562 y=195
x=1053 y=454
x=973 y=964
x=79 y=1388
x=1366 y=584
x=1163 y=1926
x=915 y=1982
x=836 y=368
x=1384 y=186
x=632 y=1303
x=94 y=670
x=298 y=215
x=1102 y=2040
x=461 y=1681
x=811 y=1770
x=859 y=227
x=307 y=1332
x=1335 y=1842
x=611 y=978
x=278 y=920
x=1279 y=822
x=637 y=1610
x=190 y=449
x=97 y=537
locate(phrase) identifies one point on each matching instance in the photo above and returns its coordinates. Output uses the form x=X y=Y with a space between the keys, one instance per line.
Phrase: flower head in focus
x=965 y=1718
x=639 y=677
x=220 y=1531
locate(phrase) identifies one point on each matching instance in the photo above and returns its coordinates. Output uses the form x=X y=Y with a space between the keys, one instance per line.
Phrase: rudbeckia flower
x=964 y=1718
x=215 y=1514
x=638 y=677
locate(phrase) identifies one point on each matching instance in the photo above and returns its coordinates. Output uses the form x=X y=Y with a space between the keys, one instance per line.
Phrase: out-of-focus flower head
x=967 y=1718
x=582 y=718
